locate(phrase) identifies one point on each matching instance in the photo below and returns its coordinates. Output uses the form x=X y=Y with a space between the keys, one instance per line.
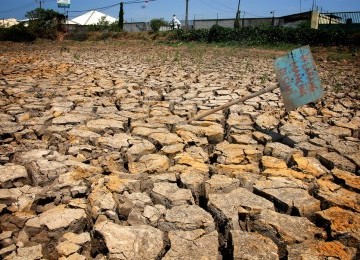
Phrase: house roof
x=92 y=17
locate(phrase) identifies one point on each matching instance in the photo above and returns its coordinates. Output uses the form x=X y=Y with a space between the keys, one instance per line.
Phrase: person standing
x=175 y=23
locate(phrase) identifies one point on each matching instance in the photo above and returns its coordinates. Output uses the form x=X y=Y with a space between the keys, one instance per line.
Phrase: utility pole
x=313 y=5
x=40 y=2
x=187 y=15
x=238 y=10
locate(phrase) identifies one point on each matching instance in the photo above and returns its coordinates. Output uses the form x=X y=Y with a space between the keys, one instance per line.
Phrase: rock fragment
x=333 y=159
x=226 y=207
x=290 y=196
x=169 y=195
x=284 y=229
x=152 y=163
x=132 y=242
x=12 y=175
x=320 y=250
x=221 y=184
x=252 y=245
x=187 y=218
x=59 y=217
x=281 y=151
x=195 y=244
x=28 y=253
x=332 y=194
x=342 y=225
x=310 y=165
x=347 y=179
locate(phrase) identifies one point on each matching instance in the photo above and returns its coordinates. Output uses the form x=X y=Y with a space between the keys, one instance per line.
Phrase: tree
x=121 y=16
x=155 y=24
x=45 y=23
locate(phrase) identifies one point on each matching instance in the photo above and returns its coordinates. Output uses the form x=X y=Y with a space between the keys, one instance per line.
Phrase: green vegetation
x=264 y=78
x=155 y=24
x=104 y=25
x=266 y=35
x=16 y=33
x=45 y=23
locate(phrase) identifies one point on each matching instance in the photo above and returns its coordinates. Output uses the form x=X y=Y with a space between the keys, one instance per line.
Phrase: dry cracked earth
x=97 y=162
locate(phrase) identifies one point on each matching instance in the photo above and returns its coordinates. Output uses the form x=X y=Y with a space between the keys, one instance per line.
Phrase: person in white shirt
x=175 y=23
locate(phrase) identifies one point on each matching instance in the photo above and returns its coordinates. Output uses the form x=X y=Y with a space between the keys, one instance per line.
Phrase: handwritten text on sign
x=298 y=78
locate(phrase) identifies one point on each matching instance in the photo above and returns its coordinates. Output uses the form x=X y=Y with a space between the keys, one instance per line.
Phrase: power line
x=214 y=7
x=257 y=16
x=23 y=6
x=111 y=6
x=222 y=5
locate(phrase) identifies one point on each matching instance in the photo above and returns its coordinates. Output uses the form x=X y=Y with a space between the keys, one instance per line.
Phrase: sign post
x=298 y=79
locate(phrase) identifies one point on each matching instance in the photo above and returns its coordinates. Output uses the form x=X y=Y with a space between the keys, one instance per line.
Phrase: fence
x=349 y=21
x=339 y=18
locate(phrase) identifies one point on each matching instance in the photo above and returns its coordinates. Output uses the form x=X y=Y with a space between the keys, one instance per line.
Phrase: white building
x=93 y=17
x=5 y=23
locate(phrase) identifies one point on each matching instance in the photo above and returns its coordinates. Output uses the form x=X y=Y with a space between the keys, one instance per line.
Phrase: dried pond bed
x=95 y=160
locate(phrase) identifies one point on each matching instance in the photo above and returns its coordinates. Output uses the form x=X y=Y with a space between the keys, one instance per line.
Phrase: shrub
x=45 y=23
x=270 y=35
x=16 y=33
x=218 y=33
x=155 y=24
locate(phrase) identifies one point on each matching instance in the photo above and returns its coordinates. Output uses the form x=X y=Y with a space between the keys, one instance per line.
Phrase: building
x=286 y=21
x=93 y=17
x=6 y=23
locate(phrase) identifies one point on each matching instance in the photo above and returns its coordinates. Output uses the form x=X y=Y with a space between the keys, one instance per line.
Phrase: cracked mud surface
x=97 y=162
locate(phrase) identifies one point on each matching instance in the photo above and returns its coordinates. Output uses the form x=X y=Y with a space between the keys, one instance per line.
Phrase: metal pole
x=236 y=101
x=187 y=14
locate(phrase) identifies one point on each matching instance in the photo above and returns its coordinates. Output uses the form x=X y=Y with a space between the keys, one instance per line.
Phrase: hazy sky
x=200 y=9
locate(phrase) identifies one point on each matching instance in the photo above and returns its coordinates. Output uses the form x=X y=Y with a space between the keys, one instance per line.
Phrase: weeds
x=76 y=56
x=264 y=78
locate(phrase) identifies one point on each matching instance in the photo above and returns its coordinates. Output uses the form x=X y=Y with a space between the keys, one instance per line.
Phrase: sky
x=198 y=9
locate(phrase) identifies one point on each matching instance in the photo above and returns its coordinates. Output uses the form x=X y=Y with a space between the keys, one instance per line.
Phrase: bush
x=218 y=33
x=104 y=25
x=200 y=35
x=16 y=33
x=155 y=24
x=269 y=35
x=45 y=23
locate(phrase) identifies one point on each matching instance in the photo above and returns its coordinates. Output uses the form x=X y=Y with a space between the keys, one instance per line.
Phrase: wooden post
x=234 y=102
